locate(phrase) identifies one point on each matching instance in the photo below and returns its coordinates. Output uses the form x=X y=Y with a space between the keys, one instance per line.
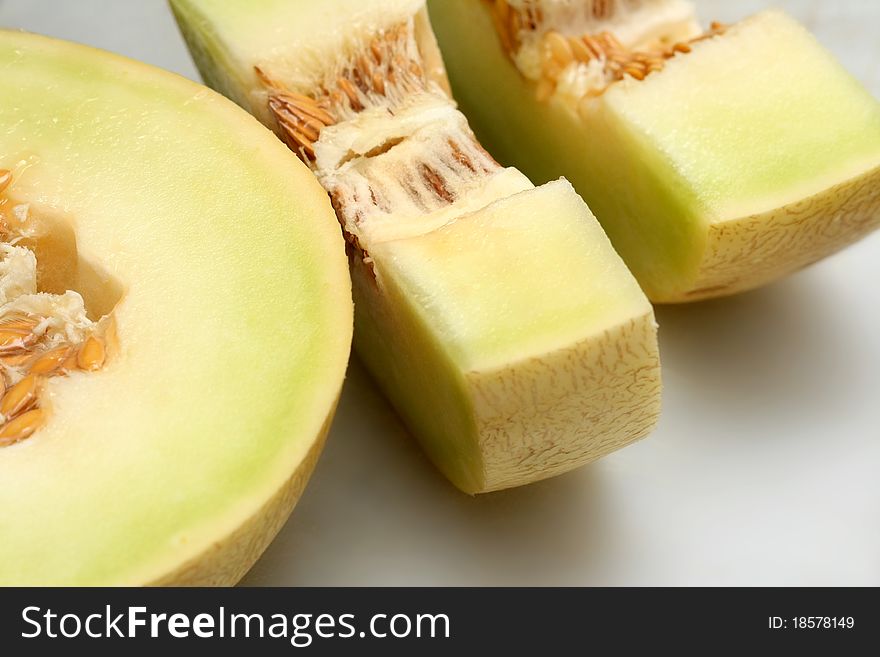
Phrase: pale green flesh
x=233 y=329
x=757 y=115
x=719 y=134
x=524 y=277
x=227 y=38
x=241 y=31
x=411 y=366
x=543 y=139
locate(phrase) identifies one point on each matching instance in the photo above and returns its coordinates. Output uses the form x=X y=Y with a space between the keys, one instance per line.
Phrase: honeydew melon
x=495 y=315
x=715 y=166
x=155 y=206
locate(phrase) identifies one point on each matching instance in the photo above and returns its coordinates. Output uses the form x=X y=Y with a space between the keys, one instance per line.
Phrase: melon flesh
x=748 y=158
x=509 y=319
x=496 y=316
x=216 y=252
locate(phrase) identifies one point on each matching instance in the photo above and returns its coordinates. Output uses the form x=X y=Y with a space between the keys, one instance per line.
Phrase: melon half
x=189 y=270
x=495 y=315
x=716 y=161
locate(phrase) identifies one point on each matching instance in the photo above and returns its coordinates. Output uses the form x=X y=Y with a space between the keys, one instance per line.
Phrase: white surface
x=764 y=469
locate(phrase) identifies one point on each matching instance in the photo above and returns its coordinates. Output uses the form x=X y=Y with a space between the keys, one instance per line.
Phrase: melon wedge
x=154 y=207
x=496 y=316
x=716 y=162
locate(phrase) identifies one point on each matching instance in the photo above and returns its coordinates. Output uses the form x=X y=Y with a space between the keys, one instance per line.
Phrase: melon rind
x=747 y=252
x=701 y=171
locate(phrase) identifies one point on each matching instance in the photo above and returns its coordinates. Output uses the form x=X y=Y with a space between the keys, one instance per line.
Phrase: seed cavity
x=596 y=60
x=42 y=335
x=381 y=136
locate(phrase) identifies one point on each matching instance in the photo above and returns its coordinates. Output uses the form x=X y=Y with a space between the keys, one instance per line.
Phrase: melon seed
x=21 y=427
x=19 y=397
x=50 y=361
x=91 y=354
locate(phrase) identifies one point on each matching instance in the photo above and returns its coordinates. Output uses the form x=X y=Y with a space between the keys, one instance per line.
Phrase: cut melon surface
x=215 y=254
x=730 y=160
x=537 y=371
x=495 y=315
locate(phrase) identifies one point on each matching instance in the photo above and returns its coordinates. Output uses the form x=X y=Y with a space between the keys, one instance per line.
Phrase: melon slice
x=717 y=161
x=183 y=313
x=495 y=315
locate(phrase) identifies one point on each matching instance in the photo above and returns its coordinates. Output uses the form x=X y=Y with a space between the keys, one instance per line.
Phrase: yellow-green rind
x=550 y=414
x=228 y=559
x=742 y=254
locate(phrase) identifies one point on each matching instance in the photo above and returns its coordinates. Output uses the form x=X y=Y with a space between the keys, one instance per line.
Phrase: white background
x=764 y=469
